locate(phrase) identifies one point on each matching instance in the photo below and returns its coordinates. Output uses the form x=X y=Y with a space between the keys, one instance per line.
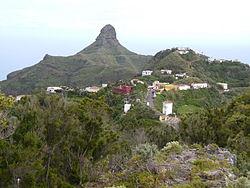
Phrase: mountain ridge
x=105 y=60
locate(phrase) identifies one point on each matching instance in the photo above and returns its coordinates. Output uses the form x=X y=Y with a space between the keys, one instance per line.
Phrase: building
x=181 y=75
x=166 y=71
x=93 y=89
x=159 y=85
x=122 y=89
x=222 y=60
x=224 y=86
x=136 y=81
x=147 y=73
x=183 y=50
x=127 y=108
x=19 y=97
x=183 y=87
x=54 y=90
x=199 y=85
x=169 y=87
x=104 y=85
x=167 y=108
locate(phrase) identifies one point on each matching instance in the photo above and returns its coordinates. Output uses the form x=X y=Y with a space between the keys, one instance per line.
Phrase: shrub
x=172 y=147
x=145 y=150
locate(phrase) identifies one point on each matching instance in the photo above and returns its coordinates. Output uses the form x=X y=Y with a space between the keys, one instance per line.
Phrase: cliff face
x=105 y=60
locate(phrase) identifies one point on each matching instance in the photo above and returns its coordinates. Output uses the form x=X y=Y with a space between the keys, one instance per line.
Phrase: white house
x=147 y=73
x=127 y=108
x=183 y=50
x=181 y=75
x=224 y=86
x=199 y=85
x=183 y=87
x=166 y=71
x=54 y=89
x=167 y=107
x=93 y=89
x=222 y=60
x=135 y=81
x=19 y=97
x=104 y=85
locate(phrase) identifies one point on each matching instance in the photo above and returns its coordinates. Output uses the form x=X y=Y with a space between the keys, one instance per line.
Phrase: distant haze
x=29 y=29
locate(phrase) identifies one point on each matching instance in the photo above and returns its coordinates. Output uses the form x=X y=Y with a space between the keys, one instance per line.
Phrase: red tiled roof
x=123 y=89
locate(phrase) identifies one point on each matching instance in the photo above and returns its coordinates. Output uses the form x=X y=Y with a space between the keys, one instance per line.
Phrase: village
x=167 y=114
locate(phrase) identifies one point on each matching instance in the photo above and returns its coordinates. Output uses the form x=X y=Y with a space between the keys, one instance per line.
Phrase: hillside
x=199 y=68
x=105 y=60
x=87 y=141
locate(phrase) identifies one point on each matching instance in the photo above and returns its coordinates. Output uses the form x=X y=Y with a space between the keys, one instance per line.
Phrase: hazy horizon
x=30 y=29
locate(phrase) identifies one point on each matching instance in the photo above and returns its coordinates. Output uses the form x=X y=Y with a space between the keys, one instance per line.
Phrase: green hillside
x=105 y=60
x=199 y=68
x=87 y=141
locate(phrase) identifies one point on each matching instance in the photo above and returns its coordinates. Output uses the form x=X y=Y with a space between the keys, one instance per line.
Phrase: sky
x=29 y=29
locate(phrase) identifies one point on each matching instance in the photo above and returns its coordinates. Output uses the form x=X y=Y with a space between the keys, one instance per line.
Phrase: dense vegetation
x=86 y=141
x=79 y=139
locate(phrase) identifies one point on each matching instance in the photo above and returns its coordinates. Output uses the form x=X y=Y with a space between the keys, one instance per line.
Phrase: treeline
x=76 y=141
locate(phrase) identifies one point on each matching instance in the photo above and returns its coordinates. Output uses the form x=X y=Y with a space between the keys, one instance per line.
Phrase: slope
x=105 y=60
x=198 y=67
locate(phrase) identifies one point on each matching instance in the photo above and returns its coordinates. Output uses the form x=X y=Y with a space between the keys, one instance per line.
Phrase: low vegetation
x=86 y=141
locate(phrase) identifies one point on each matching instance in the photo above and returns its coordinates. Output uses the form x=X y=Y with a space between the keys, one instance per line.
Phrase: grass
x=190 y=101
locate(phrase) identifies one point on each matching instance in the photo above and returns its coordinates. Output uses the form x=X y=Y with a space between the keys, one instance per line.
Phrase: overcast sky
x=29 y=29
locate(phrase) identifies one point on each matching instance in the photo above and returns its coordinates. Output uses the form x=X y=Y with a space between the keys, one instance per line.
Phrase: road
x=150 y=101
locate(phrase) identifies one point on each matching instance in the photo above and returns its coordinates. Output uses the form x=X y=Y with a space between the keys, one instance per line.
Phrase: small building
x=224 y=86
x=199 y=85
x=222 y=60
x=166 y=71
x=104 y=85
x=136 y=81
x=54 y=90
x=181 y=75
x=92 y=89
x=147 y=73
x=167 y=108
x=127 y=108
x=122 y=89
x=169 y=87
x=19 y=97
x=183 y=87
x=159 y=85
x=183 y=50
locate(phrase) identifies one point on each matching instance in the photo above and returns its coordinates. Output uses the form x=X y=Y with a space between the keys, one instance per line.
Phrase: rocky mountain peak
x=105 y=40
x=107 y=37
x=107 y=32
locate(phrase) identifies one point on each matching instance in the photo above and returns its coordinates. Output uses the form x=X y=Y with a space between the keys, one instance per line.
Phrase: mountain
x=199 y=68
x=105 y=60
